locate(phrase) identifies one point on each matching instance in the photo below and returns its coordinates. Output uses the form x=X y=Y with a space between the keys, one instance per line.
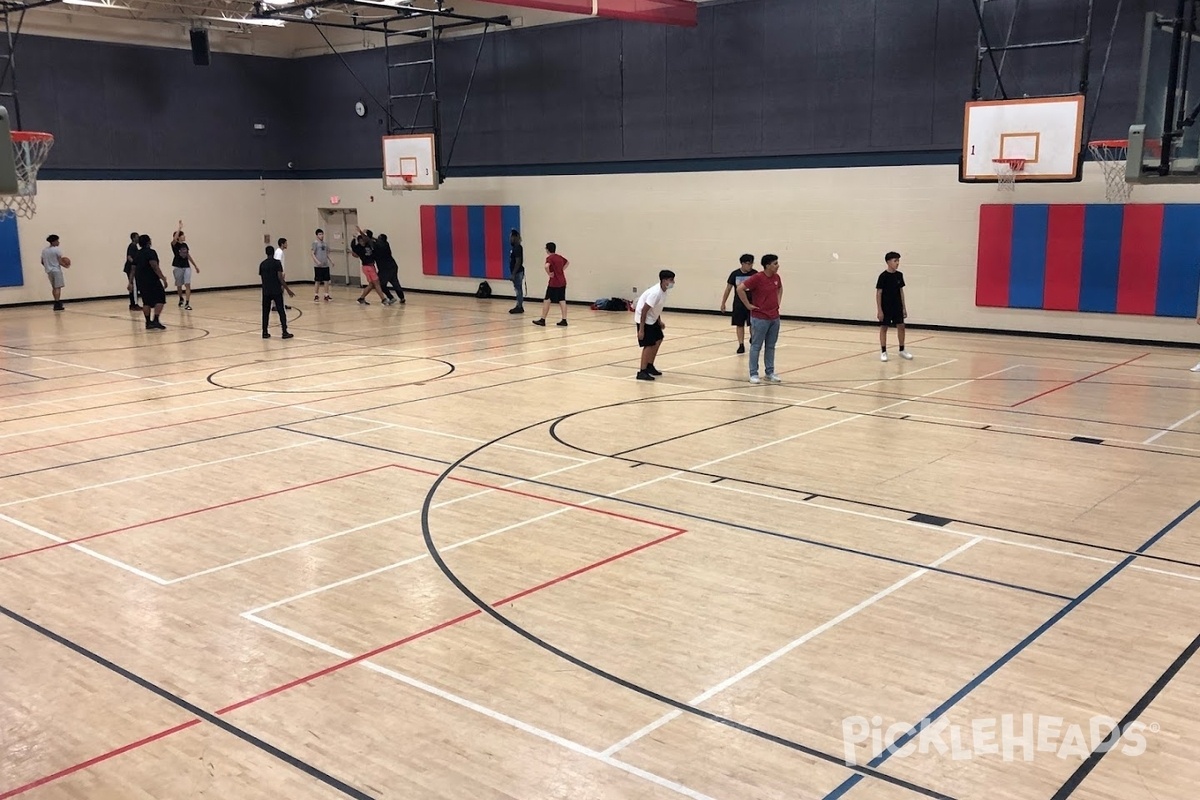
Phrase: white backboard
x=412 y=155
x=1046 y=132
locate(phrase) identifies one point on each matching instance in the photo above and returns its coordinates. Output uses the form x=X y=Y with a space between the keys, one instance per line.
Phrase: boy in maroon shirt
x=556 y=287
x=767 y=289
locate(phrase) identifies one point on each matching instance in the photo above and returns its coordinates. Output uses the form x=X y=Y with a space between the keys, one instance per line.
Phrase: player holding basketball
x=890 y=307
x=321 y=265
x=54 y=262
x=767 y=288
x=556 y=286
x=151 y=283
x=274 y=284
x=130 y=252
x=741 y=315
x=182 y=265
x=648 y=313
x=364 y=249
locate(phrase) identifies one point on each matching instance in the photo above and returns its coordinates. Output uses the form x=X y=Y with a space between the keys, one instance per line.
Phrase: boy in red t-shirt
x=556 y=286
x=767 y=289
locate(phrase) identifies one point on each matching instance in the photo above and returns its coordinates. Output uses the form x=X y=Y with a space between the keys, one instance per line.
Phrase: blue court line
x=975 y=682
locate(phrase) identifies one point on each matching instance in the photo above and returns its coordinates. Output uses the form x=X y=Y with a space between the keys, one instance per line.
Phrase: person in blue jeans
x=767 y=289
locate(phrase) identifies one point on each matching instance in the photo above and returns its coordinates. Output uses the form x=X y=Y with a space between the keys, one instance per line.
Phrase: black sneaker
x=645 y=376
x=266 y=335
x=540 y=322
x=363 y=302
x=562 y=323
x=653 y=370
x=134 y=307
x=741 y=349
x=288 y=335
x=516 y=311
x=158 y=326
x=59 y=307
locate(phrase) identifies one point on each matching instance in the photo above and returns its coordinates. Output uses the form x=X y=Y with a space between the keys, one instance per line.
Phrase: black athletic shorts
x=321 y=274
x=556 y=294
x=893 y=316
x=654 y=335
x=152 y=291
x=741 y=315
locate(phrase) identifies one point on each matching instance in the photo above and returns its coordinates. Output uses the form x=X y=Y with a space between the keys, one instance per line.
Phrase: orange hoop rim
x=1017 y=164
x=408 y=178
x=31 y=136
x=1117 y=143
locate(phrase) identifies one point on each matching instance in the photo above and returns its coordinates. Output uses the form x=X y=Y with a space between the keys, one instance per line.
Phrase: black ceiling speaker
x=200 y=47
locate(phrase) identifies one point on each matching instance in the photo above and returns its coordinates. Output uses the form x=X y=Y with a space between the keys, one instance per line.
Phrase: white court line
x=936 y=528
x=159 y=474
x=156 y=412
x=1165 y=431
x=446 y=549
x=494 y=715
x=106 y=559
x=89 y=395
x=787 y=648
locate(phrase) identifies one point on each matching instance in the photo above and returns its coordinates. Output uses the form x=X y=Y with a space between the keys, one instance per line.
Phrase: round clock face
x=360 y=109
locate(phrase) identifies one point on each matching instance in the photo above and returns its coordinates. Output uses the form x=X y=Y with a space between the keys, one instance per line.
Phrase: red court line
x=193 y=512
x=1077 y=380
x=543 y=498
x=349 y=661
x=82 y=765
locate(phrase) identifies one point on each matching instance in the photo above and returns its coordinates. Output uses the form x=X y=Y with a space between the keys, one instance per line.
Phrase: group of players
x=757 y=297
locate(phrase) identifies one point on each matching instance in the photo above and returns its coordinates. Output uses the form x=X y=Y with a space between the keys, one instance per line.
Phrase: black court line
x=1083 y=770
x=449 y=368
x=192 y=709
x=26 y=374
x=156 y=340
x=811 y=497
x=483 y=605
x=1087 y=440
x=930 y=519
x=705 y=430
x=681 y=397
x=690 y=515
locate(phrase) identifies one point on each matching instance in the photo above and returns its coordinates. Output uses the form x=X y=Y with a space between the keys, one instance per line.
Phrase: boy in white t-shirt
x=648 y=315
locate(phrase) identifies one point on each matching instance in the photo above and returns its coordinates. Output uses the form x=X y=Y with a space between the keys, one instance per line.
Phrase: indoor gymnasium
x=600 y=399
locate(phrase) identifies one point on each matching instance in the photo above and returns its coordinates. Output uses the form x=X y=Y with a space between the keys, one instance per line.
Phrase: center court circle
x=330 y=374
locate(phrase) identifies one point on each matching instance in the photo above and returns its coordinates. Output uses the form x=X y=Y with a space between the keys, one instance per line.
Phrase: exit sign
x=334 y=199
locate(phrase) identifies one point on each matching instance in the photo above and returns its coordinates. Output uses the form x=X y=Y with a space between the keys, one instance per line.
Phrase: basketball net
x=1110 y=155
x=405 y=184
x=29 y=153
x=1006 y=172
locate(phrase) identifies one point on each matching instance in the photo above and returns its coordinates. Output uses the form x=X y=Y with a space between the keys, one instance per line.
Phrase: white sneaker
x=883 y=357
x=773 y=378
x=754 y=379
x=907 y=356
x=1196 y=368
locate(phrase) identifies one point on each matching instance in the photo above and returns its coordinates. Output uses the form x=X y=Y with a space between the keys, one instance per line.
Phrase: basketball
x=66 y=262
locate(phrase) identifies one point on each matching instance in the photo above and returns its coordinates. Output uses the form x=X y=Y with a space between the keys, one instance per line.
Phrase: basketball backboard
x=8 y=161
x=1045 y=133
x=409 y=161
x=1169 y=89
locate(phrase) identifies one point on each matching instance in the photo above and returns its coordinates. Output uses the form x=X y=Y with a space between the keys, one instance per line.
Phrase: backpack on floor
x=484 y=290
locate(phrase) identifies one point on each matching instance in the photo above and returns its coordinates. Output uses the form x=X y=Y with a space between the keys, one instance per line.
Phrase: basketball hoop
x=29 y=152
x=1110 y=154
x=1007 y=170
x=400 y=182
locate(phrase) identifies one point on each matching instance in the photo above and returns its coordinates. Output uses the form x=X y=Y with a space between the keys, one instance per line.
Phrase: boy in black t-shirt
x=741 y=315
x=130 y=253
x=890 y=307
x=273 y=286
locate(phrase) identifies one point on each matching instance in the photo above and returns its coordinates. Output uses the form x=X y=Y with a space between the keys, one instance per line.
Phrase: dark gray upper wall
x=122 y=107
x=755 y=79
x=759 y=78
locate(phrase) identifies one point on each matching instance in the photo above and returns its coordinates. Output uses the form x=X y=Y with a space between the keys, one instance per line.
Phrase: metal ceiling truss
x=299 y=12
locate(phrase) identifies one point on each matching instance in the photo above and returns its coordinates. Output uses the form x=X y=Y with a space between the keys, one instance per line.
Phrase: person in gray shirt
x=320 y=257
x=54 y=262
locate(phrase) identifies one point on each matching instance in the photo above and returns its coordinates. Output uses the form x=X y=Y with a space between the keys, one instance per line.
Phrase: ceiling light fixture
x=268 y=23
x=97 y=4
